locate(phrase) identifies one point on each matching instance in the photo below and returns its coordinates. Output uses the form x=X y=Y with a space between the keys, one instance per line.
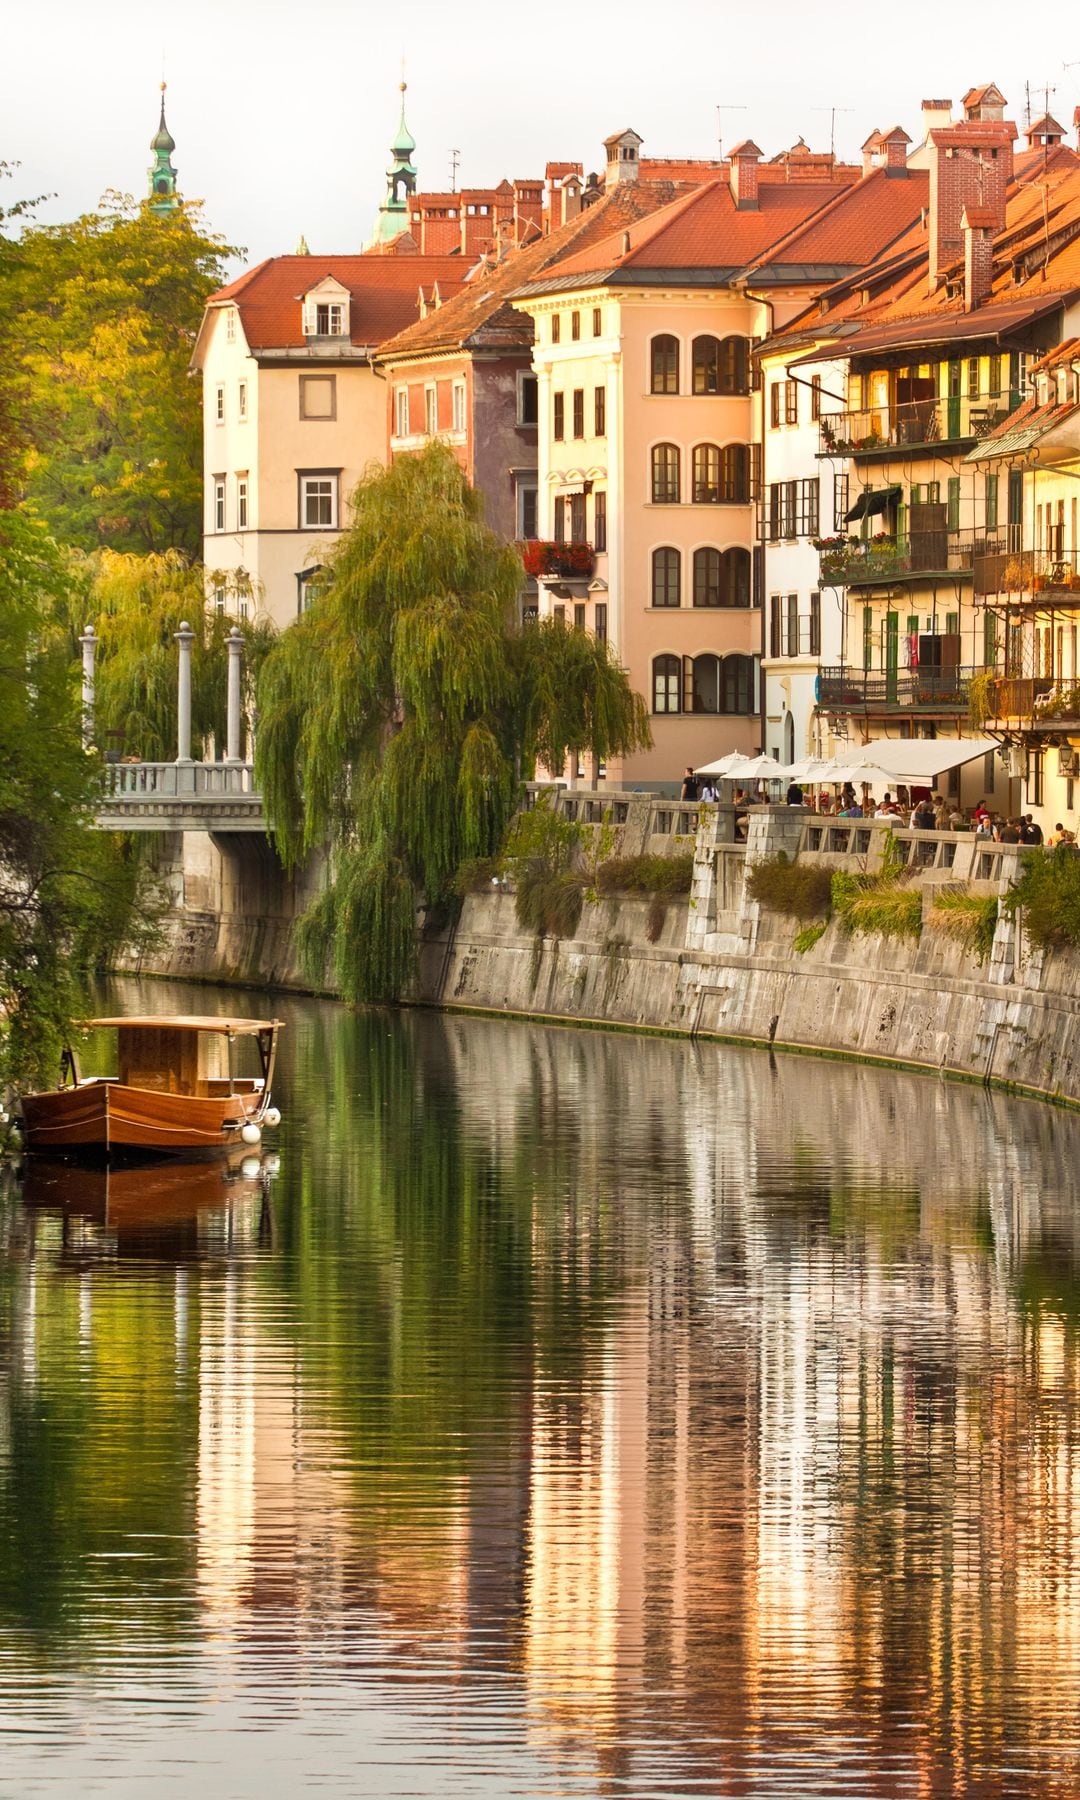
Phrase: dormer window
x=330 y=320
x=326 y=310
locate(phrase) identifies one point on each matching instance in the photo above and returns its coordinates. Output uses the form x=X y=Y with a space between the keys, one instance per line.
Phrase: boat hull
x=99 y=1117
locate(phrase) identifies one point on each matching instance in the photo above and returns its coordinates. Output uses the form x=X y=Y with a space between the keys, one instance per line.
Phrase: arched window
x=666 y=672
x=735 y=365
x=735 y=578
x=664 y=371
x=665 y=474
x=706 y=474
x=737 y=685
x=666 y=577
x=706 y=684
x=735 y=474
x=706 y=359
x=707 y=568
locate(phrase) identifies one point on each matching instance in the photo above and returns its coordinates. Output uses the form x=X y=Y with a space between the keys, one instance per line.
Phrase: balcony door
x=953 y=429
x=892 y=654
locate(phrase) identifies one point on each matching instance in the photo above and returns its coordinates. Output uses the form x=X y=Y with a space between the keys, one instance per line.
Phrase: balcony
x=1029 y=575
x=1040 y=700
x=864 y=562
x=878 y=430
x=546 y=560
x=847 y=689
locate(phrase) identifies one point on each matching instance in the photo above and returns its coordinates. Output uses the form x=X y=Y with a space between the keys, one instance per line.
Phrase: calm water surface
x=565 y=1415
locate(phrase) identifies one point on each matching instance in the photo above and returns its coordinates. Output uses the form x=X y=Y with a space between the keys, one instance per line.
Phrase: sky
x=283 y=111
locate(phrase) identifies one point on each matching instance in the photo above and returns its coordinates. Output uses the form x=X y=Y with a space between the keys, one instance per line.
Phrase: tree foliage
x=1047 y=892
x=104 y=313
x=69 y=895
x=398 y=717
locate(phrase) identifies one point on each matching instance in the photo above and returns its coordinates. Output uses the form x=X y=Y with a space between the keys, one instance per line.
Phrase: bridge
x=184 y=795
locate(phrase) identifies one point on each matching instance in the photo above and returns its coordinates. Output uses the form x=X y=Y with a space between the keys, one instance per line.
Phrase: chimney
x=622 y=149
x=870 y=151
x=895 y=145
x=978 y=224
x=936 y=116
x=571 y=198
x=743 y=167
x=970 y=164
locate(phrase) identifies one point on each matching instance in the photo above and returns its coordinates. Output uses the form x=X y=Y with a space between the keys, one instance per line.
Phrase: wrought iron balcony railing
x=950 y=420
x=847 y=689
x=1029 y=574
x=860 y=561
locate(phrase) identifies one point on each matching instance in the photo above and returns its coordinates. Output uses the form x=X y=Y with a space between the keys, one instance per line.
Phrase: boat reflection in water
x=183 y=1210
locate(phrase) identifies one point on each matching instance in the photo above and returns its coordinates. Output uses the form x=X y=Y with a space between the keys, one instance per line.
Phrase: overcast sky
x=282 y=111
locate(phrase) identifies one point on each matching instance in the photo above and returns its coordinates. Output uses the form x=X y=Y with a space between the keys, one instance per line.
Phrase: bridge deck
x=180 y=796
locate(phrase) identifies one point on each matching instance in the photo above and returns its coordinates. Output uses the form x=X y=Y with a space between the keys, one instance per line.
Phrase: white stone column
x=235 y=642
x=88 y=643
x=185 y=637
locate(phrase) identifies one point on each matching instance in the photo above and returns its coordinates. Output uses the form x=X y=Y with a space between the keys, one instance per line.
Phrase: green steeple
x=393 y=216
x=163 y=194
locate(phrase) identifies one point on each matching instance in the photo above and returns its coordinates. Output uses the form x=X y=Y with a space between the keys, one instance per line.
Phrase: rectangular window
x=528 y=412
x=789 y=491
x=815 y=624
x=600 y=621
x=600 y=412
x=952 y=514
x=575 y=326
x=815 y=398
x=431 y=411
x=219 y=403
x=773 y=512
x=318 y=500
x=597 y=328
x=579 y=412
x=600 y=519
x=560 y=518
x=219 y=601
x=329 y=319
x=401 y=412
x=577 y=518
x=791 y=622
x=990 y=503
x=774 y=624
x=791 y=403
x=556 y=322
x=219 y=502
x=241 y=502
x=230 y=325
x=579 y=615
x=458 y=403
x=774 y=404
x=318 y=396
x=241 y=401
x=527 y=512
x=973 y=376
x=840 y=503
x=993 y=379
x=558 y=415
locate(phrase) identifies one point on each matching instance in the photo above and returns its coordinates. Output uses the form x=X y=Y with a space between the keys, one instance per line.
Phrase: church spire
x=393 y=214
x=164 y=197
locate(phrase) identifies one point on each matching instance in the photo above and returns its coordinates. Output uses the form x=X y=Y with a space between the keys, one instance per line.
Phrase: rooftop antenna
x=720 y=111
x=455 y=160
x=832 y=112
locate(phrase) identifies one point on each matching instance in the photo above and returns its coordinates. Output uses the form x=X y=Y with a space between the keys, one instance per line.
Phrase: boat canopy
x=188 y=1022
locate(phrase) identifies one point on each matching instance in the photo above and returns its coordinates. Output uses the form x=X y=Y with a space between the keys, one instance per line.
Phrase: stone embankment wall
x=720 y=966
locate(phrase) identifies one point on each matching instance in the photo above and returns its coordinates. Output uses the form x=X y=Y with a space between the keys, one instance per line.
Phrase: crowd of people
x=913 y=809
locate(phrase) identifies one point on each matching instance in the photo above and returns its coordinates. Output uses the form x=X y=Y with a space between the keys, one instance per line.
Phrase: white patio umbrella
x=720 y=768
x=810 y=771
x=758 y=768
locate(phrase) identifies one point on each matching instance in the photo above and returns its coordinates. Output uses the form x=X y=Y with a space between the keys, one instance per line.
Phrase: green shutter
x=952 y=518
x=989 y=637
x=867 y=637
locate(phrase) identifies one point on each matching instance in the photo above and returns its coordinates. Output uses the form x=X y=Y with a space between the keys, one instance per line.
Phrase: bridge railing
x=178 y=781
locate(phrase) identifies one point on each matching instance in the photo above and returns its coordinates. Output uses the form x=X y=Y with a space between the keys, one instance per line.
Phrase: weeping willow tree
x=399 y=716
x=136 y=605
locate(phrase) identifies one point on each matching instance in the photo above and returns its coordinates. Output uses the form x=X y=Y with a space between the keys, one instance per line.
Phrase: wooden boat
x=175 y=1090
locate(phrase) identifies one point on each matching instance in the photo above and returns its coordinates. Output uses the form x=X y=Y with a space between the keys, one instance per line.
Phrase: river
x=551 y=1413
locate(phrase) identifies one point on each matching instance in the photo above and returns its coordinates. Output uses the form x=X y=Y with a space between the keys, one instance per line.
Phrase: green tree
x=104 y=313
x=69 y=896
x=397 y=718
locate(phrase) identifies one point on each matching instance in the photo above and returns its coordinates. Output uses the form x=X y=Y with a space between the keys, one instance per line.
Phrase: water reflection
x=577 y=1415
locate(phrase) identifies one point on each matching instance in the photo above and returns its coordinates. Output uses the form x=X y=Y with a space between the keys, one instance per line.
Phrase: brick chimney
x=895 y=145
x=970 y=164
x=978 y=224
x=743 y=166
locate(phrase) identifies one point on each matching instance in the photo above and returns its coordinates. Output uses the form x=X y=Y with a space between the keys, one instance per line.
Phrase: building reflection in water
x=726 y=1408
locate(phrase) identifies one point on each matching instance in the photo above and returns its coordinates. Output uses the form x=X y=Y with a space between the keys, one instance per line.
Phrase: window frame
x=241 y=400
x=459 y=406
x=665 y=488
x=318 y=418
x=303 y=477
x=401 y=411
x=527 y=383
x=558 y=416
x=706 y=462
x=218 y=502
x=664 y=364
x=577 y=412
x=242 y=493
x=219 y=403
x=665 y=578
x=600 y=411
x=600 y=519
x=666 y=669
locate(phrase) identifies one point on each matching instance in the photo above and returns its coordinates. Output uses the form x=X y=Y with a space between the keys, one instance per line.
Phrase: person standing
x=689 y=789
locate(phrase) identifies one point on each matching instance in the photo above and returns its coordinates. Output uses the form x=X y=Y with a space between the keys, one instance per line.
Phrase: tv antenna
x=1049 y=87
x=455 y=161
x=832 y=112
x=720 y=111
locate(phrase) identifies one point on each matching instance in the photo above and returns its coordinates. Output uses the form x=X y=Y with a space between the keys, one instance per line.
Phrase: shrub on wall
x=666 y=875
x=1047 y=890
x=884 y=905
x=797 y=889
x=968 y=917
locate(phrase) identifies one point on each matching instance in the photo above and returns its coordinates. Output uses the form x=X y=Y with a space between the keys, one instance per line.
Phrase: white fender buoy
x=250 y=1133
x=250 y=1167
x=271 y=1116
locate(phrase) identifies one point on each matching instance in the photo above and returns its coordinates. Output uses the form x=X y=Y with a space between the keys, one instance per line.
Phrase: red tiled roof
x=482 y=312
x=860 y=223
x=384 y=291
